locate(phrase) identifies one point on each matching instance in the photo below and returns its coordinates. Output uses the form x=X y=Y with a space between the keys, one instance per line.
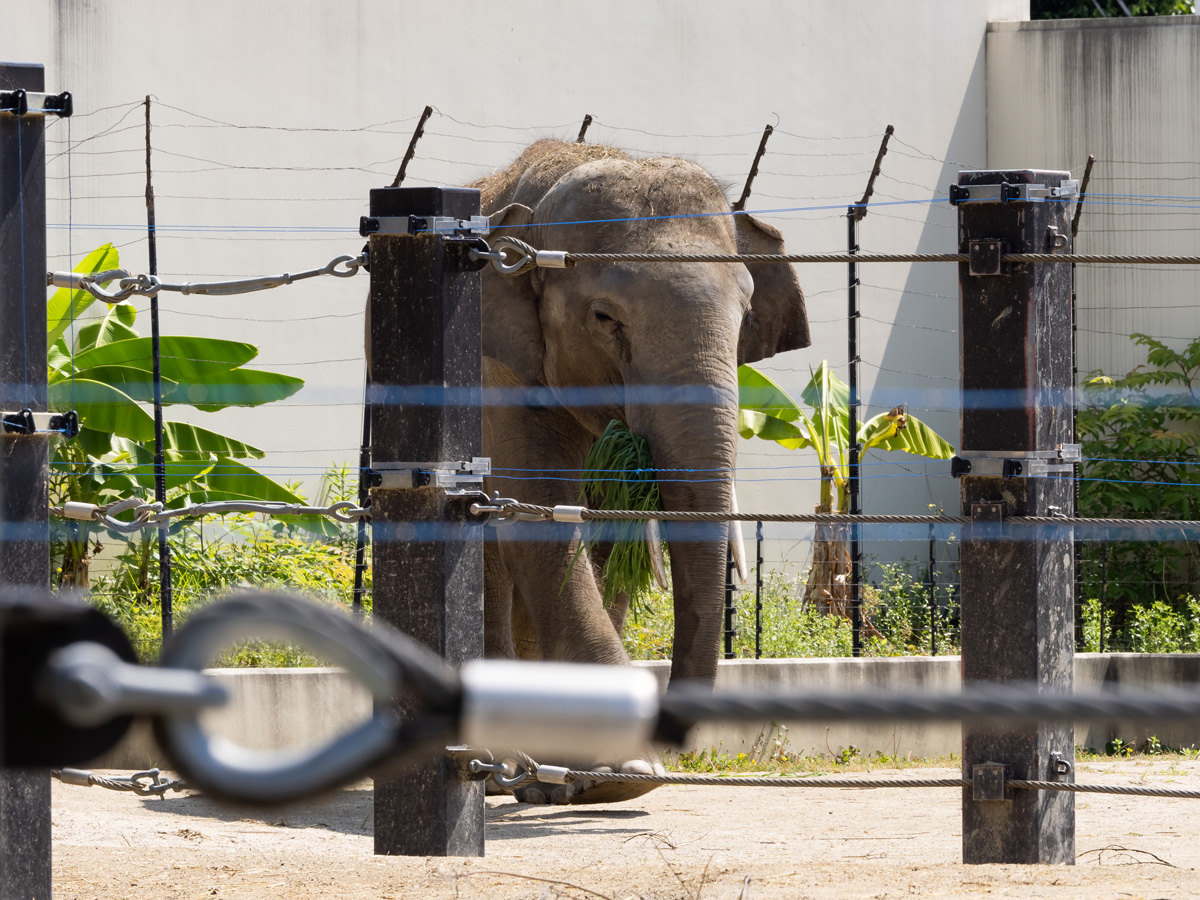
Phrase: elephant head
x=662 y=339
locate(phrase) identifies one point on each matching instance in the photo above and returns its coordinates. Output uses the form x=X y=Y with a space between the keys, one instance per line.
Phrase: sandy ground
x=676 y=842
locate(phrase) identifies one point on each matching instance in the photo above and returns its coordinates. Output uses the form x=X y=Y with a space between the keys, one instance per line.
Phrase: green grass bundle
x=619 y=474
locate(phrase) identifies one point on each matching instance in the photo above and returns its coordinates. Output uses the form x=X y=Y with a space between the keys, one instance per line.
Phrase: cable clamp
x=452 y=477
x=447 y=226
x=1021 y=464
x=28 y=422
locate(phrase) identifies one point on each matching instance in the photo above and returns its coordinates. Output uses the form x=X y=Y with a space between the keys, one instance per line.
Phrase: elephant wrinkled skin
x=655 y=345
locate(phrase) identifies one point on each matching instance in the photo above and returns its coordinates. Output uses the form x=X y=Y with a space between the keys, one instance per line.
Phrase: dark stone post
x=1015 y=332
x=425 y=350
x=24 y=460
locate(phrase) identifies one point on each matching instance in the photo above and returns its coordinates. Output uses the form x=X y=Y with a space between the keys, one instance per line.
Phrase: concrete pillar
x=1015 y=333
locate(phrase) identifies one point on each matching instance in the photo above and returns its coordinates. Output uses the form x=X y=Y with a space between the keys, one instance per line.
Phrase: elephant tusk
x=654 y=545
x=736 y=546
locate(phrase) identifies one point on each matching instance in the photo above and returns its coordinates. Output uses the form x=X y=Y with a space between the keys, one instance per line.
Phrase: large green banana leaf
x=897 y=430
x=829 y=397
x=137 y=383
x=197 y=443
x=179 y=469
x=183 y=359
x=237 y=387
x=103 y=407
x=758 y=392
x=117 y=325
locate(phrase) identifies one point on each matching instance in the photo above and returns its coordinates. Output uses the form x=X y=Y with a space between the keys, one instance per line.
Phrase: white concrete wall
x=274 y=119
x=1127 y=91
x=275 y=708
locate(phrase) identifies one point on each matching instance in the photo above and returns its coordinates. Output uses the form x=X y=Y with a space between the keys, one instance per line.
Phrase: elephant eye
x=602 y=317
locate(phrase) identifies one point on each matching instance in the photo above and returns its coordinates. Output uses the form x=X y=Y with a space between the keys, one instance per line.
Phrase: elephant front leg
x=558 y=599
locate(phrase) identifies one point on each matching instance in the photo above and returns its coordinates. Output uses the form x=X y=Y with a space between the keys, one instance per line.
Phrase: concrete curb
x=281 y=707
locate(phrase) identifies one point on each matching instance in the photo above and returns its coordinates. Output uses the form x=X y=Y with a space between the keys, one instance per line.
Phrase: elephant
x=654 y=345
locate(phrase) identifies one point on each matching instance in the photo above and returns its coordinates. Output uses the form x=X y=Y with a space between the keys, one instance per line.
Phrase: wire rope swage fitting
x=524 y=257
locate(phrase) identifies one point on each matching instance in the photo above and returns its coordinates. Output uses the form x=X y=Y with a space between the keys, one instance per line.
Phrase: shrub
x=246 y=553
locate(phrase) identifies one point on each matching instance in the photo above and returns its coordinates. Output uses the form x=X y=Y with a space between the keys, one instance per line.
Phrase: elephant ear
x=512 y=332
x=778 y=320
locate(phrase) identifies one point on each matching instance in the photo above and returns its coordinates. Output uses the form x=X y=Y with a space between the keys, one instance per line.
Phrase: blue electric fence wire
x=875 y=204
x=1166 y=462
x=339 y=229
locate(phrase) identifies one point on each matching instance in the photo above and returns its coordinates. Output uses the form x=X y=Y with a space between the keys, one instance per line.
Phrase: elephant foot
x=586 y=790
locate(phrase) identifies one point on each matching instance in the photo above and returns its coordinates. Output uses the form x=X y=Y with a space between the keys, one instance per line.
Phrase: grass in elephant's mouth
x=619 y=474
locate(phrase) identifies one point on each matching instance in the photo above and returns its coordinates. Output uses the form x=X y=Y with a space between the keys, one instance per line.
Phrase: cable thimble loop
x=347 y=511
x=523 y=256
x=381 y=660
x=352 y=265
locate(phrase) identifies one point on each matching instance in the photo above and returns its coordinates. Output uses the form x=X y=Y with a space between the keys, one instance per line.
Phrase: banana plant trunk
x=829 y=587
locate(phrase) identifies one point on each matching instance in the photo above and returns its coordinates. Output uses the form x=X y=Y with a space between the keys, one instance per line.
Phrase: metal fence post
x=758 y=564
x=730 y=605
x=931 y=585
x=425 y=358
x=24 y=459
x=1015 y=333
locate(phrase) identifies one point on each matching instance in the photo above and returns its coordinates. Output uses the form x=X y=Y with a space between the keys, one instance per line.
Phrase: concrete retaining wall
x=282 y=707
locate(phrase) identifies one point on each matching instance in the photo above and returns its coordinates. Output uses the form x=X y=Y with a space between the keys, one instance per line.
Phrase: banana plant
x=766 y=411
x=103 y=371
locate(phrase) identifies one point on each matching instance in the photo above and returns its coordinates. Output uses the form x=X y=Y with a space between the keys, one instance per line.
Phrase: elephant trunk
x=699 y=441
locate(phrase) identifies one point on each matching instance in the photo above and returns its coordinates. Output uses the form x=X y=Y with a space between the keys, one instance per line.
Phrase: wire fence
x=217 y=219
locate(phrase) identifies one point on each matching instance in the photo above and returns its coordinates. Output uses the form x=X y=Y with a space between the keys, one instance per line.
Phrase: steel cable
x=993 y=703
x=1091 y=258
x=871 y=783
x=558 y=513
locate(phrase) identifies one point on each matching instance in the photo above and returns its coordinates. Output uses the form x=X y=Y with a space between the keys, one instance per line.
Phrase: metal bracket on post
x=1007 y=193
x=28 y=422
x=989 y=782
x=455 y=478
x=447 y=226
x=36 y=103
x=986 y=257
x=1025 y=464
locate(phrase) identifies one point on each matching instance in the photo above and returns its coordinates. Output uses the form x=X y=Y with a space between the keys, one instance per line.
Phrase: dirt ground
x=676 y=842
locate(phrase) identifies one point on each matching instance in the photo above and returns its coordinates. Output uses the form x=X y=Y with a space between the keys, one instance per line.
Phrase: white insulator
x=559 y=709
x=552 y=259
x=569 y=513
x=83 y=511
